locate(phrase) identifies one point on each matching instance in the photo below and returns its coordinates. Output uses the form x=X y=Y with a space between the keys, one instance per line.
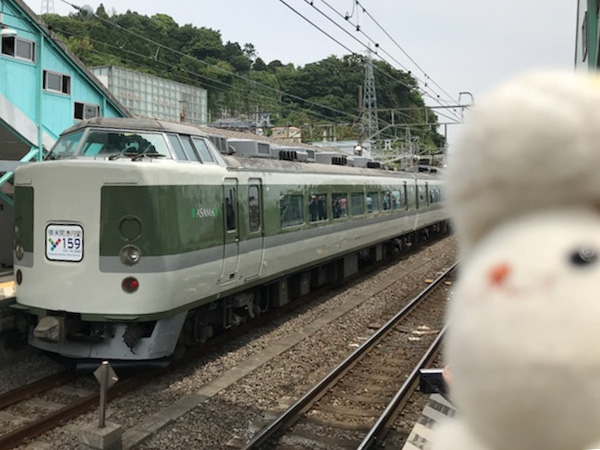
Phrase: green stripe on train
x=160 y=220
x=175 y=219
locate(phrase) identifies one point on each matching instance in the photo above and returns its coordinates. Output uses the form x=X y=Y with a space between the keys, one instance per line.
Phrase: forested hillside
x=239 y=82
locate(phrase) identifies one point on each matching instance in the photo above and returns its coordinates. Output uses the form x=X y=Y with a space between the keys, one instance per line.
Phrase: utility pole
x=358 y=151
x=369 y=116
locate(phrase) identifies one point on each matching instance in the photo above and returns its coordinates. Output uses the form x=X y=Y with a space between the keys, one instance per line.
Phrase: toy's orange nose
x=498 y=273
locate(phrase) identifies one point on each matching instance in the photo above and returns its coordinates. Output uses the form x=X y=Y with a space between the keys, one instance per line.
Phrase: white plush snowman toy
x=531 y=144
x=524 y=319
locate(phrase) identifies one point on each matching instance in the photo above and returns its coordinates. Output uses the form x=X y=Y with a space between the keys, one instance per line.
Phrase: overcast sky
x=462 y=45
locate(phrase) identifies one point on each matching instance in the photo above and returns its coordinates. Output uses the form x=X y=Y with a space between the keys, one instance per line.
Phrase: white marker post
x=107 y=377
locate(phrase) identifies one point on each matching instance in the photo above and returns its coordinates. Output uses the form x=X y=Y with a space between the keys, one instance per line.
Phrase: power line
x=377 y=45
x=228 y=87
x=317 y=27
x=311 y=3
x=401 y=49
x=353 y=53
x=278 y=91
x=436 y=112
x=269 y=88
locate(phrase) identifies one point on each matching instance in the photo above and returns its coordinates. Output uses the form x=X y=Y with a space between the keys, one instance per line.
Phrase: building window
x=18 y=48
x=57 y=82
x=84 y=111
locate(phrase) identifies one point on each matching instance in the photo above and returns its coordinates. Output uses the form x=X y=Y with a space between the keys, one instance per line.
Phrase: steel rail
x=45 y=384
x=291 y=415
x=376 y=434
x=33 y=429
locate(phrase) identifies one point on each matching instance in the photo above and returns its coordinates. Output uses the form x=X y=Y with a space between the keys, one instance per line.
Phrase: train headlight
x=130 y=285
x=19 y=251
x=130 y=255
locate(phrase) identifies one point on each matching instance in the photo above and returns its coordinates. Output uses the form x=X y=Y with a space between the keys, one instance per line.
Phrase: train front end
x=77 y=265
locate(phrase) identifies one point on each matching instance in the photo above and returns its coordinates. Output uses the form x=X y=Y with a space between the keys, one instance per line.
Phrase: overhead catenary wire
x=380 y=48
x=269 y=88
x=228 y=87
x=278 y=91
x=400 y=48
x=311 y=3
x=349 y=50
x=424 y=92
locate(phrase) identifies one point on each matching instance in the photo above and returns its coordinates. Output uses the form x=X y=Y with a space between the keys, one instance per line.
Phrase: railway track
x=38 y=415
x=18 y=428
x=354 y=405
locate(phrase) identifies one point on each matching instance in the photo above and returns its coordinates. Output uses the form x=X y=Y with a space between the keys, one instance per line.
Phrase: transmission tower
x=47 y=7
x=370 y=123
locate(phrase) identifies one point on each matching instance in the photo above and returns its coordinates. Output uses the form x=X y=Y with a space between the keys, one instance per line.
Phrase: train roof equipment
x=231 y=148
x=249 y=147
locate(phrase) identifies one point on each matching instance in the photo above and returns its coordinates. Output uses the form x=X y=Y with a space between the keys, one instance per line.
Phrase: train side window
x=317 y=207
x=291 y=210
x=432 y=195
x=372 y=202
x=387 y=201
x=230 y=208
x=174 y=140
x=357 y=203
x=396 y=199
x=203 y=150
x=254 y=207
x=422 y=199
x=402 y=200
x=412 y=196
x=339 y=205
x=188 y=148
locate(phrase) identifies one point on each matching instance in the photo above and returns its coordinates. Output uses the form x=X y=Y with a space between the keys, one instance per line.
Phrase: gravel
x=236 y=412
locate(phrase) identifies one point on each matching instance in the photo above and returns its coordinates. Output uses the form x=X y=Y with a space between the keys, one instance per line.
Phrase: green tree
x=240 y=83
x=259 y=65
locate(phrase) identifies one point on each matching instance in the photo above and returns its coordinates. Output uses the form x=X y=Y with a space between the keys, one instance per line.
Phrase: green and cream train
x=136 y=235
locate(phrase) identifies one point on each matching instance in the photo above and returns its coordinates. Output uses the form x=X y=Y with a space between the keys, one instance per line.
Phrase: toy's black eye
x=583 y=256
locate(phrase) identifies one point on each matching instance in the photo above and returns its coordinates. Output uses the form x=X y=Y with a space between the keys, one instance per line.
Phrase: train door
x=231 y=238
x=251 y=256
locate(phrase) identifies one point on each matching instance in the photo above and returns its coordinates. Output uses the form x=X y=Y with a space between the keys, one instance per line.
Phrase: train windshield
x=66 y=146
x=110 y=143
